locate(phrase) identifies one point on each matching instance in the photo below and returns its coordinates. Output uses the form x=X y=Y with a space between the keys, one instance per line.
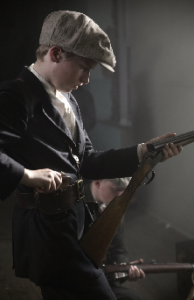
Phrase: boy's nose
x=120 y=193
x=86 y=78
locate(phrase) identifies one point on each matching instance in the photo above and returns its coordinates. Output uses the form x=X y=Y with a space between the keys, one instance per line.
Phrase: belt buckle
x=80 y=189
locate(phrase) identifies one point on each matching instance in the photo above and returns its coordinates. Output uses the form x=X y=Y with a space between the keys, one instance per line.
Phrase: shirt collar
x=49 y=87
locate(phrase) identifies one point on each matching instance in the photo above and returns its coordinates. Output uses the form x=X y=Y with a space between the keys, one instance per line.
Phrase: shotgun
x=115 y=272
x=97 y=239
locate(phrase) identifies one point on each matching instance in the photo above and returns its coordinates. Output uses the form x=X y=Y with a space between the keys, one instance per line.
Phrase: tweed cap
x=77 y=33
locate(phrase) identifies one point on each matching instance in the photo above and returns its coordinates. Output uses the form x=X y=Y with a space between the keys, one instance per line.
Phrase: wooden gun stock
x=97 y=239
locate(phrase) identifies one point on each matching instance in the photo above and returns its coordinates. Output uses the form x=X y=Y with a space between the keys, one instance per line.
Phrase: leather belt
x=54 y=202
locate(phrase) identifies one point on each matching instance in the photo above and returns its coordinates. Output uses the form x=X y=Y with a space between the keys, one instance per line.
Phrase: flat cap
x=77 y=33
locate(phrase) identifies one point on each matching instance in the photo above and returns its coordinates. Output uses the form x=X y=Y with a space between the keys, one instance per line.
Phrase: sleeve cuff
x=139 y=151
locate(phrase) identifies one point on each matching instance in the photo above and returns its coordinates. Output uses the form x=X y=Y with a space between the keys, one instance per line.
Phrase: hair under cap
x=77 y=33
x=120 y=183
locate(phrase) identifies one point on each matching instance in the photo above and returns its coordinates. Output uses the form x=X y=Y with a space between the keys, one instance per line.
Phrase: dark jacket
x=34 y=135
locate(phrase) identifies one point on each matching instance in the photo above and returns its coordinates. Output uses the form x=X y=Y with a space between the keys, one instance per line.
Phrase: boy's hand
x=135 y=272
x=43 y=180
x=168 y=150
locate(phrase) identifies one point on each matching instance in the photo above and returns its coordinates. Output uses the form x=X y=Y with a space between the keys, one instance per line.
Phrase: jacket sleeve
x=13 y=124
x=114 y=163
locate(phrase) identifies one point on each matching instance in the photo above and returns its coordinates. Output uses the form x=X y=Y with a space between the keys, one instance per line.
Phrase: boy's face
x=108 y=191
x=69 y=74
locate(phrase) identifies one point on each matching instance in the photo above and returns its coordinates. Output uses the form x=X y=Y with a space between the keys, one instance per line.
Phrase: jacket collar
x=52 y=113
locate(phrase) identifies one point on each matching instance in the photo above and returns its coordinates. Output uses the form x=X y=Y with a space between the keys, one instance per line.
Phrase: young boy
x=41 y=134
x=103 y=191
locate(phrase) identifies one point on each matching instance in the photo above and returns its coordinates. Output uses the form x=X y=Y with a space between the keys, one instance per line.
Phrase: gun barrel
x=167 y=268
x=151 y=268
x=181 y=139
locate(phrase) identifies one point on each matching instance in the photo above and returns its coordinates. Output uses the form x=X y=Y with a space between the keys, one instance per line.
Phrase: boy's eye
x=84 y=68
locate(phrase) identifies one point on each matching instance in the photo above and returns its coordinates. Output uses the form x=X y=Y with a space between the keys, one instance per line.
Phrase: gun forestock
x=150 y=268
x=181 y=139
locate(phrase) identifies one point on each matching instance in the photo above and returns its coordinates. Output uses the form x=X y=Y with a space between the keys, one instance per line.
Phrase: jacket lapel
x=53 y=114
x=48 y=109
x=80 y=143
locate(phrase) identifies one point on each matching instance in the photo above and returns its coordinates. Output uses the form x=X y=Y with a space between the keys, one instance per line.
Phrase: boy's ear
x=97 y=183
x=55 y=54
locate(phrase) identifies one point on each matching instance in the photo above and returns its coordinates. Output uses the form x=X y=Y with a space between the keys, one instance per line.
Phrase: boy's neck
x=42 y=69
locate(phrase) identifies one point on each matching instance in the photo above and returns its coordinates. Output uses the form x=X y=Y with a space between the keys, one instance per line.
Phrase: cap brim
x=106 y=66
